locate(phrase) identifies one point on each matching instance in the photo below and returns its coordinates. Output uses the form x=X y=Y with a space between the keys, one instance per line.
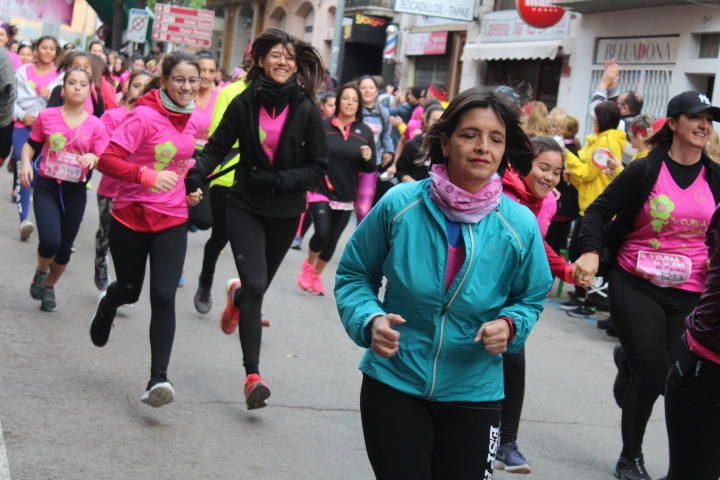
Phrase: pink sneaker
x=305 y=279
x=317 y=287
x=256 y=391
x=231 y=315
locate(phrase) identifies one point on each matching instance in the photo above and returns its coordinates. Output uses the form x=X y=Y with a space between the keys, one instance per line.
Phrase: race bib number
x=663 y=269
x=65 y=166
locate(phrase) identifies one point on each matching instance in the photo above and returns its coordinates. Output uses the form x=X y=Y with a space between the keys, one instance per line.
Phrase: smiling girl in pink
x=70 y=141
x=150 y=152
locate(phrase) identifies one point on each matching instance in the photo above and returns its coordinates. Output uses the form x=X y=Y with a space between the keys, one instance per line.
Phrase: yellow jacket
x=226 y=96
x=589 y=179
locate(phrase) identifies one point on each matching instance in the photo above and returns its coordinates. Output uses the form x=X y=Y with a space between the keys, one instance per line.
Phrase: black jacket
x=625 y=197
x=413 y=161
x=301 y=160
x=341 y=181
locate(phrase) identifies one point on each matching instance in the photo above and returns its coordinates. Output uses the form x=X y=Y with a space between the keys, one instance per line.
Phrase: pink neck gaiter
x=459 y=205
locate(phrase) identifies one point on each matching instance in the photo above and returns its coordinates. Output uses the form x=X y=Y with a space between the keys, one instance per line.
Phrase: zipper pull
x=445 y=309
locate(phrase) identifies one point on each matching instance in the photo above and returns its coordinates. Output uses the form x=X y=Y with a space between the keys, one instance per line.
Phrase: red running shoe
x=231 y=315
x=256 y=391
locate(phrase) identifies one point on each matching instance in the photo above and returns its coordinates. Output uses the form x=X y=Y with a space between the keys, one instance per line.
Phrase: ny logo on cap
x=704 y=99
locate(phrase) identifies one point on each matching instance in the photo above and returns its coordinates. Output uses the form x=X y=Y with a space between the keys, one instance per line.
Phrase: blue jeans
x=19 y=138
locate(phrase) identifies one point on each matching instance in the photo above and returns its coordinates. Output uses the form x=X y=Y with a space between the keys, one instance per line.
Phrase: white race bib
x=664 y=269
x=62 y=165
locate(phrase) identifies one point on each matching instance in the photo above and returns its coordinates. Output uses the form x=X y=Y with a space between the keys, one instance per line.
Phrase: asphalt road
x=69 y=410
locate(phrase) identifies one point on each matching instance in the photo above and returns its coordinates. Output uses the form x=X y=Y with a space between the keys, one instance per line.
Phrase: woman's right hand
x=386 y=340
x=28 y=120
x=26 y=174
x=366 y=153
x=166 y=180
x=586 y=267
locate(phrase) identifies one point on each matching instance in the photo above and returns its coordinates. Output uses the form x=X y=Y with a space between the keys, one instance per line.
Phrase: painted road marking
x=4 y=466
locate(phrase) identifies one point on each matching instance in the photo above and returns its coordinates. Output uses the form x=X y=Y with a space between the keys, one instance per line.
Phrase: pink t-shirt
x=38 y=82
x=270 y=131
x=111 y=119
x=456 y=258
x=667 y=246
x=63 y=144
x=203 y=118
x=154 y=142
x=548 y=209
x=415 y=122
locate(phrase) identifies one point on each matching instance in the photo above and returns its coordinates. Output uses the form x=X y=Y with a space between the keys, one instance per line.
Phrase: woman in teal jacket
x=466 y=279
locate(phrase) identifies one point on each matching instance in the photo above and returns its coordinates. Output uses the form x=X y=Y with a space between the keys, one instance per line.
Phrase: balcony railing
x=359 y=4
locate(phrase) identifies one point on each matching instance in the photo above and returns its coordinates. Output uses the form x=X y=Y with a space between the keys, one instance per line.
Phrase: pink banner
x=50 y=11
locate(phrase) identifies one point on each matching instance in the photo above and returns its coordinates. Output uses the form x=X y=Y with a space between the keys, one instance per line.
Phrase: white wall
x=575 y=90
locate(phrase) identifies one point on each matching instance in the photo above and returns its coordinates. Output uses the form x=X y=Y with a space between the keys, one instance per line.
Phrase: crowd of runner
x=466 y=208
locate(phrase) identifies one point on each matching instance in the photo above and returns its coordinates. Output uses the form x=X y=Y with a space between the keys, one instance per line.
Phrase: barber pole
x=390 y=42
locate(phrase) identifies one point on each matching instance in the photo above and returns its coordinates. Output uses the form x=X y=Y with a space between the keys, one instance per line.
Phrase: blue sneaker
x=510 y=460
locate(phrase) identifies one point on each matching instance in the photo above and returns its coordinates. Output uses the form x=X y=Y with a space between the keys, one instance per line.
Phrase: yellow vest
x=226 y=96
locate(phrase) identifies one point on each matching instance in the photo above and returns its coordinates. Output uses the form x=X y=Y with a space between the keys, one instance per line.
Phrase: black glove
x=193 y=181
x=263 y=180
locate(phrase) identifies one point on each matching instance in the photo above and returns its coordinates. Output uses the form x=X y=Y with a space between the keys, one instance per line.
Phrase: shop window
x=653 y=85
x=432 y=68
x=534 y=79
x=709 y=45
x=505 y=4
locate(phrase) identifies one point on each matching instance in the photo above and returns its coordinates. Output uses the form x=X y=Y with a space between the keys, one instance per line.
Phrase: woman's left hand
x=494 y=335
x=195 y=197
x=88 y=160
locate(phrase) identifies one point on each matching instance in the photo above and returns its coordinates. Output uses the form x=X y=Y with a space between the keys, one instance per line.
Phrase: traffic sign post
x=138 y=21
x=187 y=26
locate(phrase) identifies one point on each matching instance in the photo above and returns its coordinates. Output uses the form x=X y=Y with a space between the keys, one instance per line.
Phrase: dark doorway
x=360 y=59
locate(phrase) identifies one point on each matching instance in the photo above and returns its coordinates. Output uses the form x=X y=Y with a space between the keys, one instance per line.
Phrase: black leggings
x=102 y=236
x=59 y=210
x=329 y=225
x=649 y=320
x=218 y=235
x=259 y=245
x=514 y=378
x=130 y=250
x=692 y=414
x=408 y=437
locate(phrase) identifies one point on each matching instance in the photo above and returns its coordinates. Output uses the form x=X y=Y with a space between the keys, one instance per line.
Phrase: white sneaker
x=159 y=394
x=26 y=229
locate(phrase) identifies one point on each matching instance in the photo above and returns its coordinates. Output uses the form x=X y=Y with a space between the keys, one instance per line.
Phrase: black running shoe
x=581 y=312
x=203 y=300
x=159 y=392
x=572 y=303
x=48 y=304
x=631 y=469
x=37 y=287
x=101 y=325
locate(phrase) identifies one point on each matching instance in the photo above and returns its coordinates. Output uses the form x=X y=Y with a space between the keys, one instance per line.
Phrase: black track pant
x=514 y=377
x=218 y=235
x=130 y=251
x=102 y=236
x=692 y=414
x=59 y=210
x=329 y=225
x=411 y=438
x=649 y=321
x=259 y=245
x=557 y=235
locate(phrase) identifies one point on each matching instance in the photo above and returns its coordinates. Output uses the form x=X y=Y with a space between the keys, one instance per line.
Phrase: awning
x=511 y=50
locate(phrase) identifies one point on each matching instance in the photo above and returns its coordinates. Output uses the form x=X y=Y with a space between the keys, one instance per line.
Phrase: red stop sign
x=540 y=13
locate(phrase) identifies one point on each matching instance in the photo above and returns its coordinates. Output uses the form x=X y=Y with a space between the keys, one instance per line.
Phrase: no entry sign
x=186 y=26
x=540 y=13
x=137 y=25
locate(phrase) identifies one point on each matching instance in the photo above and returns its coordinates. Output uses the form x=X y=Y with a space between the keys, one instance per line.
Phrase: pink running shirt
x=56 y=136
x=203 y=118
x=270 y=131
x=111 y=119
x=668 y=238
x=37 y=83
x=154 y=142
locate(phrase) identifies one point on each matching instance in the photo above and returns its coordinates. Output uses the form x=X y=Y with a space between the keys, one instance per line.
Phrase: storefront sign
x=637 y=50
x=540 y=13
x=456 y=10
x=48 y=11
x=426 y=43
x=367 y=29
x=507 y=26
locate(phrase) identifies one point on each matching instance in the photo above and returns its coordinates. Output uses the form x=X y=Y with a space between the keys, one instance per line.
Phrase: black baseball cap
x=692 y=103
